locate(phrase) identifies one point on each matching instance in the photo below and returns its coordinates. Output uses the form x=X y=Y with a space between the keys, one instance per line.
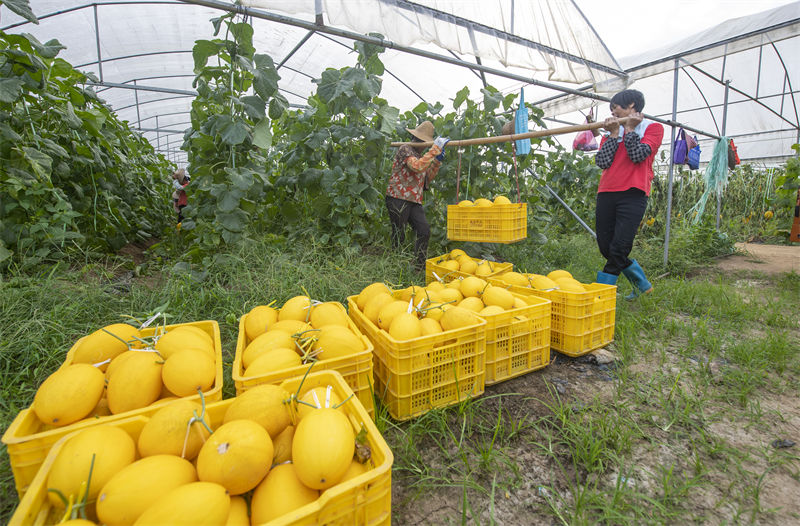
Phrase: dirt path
x=770 y=259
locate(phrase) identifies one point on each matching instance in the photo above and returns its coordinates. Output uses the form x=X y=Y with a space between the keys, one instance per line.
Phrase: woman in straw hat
x=411 y=173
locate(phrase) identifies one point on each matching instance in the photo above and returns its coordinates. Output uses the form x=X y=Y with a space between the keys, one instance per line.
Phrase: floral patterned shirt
x=410 y=173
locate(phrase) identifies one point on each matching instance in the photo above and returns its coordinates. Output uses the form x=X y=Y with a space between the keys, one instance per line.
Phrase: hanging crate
x=580 y=322
x=28 y=440
x=488 y=224
x=417 y=375
x=356 y=368
x=437 y=266
x=364 y=499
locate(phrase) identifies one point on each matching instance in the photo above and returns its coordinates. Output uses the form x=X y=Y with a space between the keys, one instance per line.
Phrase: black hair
x=625 y=97
x=414 y=138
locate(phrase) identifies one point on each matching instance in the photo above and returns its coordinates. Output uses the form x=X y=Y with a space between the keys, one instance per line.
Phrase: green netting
x=715 y=177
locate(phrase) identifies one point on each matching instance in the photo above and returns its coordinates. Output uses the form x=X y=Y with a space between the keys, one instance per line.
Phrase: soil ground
x=770 y=259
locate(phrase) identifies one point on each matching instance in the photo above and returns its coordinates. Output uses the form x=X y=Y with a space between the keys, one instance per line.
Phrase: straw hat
x=423 y=132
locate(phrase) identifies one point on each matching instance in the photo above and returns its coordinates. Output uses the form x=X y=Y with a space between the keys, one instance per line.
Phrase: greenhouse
x=214 y=311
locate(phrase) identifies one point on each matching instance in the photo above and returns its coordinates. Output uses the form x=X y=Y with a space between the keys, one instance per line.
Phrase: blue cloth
x=521 y=125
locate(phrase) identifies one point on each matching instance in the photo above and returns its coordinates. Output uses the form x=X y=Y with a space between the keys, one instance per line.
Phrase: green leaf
x=389 y=117
x=277 y=106
x=5 y=253
x=234 y=221
x=22 y=8
x=49 y=49
x=8 y=133
x=262 y=134
x=265 y=77
x=461 y=96
x=202 y=50
x=254 y=106
x=229 y=201
x=40 y=162
x=234 y=133
x=10 y=89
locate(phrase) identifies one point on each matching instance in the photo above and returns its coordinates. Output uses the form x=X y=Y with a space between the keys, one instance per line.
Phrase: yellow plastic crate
x=488 y=224
x=28 y=440
x=580 y=321
x=363 y=500
x=434 y=265
x=355 y=368
x=518 y=340
x=417 y=375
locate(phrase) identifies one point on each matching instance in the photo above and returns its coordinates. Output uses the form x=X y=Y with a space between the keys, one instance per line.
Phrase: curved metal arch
x=708 y=106
x=789 y=82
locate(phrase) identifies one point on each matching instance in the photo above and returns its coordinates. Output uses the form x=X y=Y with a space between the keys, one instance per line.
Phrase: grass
x=707 y=374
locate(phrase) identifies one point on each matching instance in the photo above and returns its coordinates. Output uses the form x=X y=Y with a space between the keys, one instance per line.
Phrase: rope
x=458 y=175
x=516 y=173
x=715 y=177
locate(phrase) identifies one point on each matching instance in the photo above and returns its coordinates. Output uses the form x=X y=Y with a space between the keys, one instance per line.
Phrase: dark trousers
x=402 y=212
x=617 y=219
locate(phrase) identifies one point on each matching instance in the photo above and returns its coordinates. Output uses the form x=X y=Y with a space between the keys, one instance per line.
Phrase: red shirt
x=624 y=173
x=410 y=173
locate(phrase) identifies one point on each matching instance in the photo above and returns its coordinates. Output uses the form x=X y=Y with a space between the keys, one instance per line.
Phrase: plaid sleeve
x=637 y=150
x=605 y=155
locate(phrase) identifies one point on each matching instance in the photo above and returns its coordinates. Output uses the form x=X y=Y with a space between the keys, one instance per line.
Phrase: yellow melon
x=483 y=269
x=389 y=311
x=498 y=296
x=168 y=432
x=272 y=339
x=405 y=326
x=200 y=333
x=435 y=286
x=77 y=522
x=237 y=456
x=323 y=448
x=456 y=253
x=119 y=360
x=318 y=397
x=101 y=409
x=375 y=304
x=280 y=493
x=187 y=371
x=138 y=485
x=471 y=303
x=519 y=303
x=413 y=291
x=468 y=266
x=356 y=468
x=69 y=394
x=105 y=344
x=369 y=291
x=472 y=286
x=237 y=515
x=258 y=320
x=491 y=310
x=136 y=383
x=112 y=449
x=542 y=282
x=482 y=201
x=451 y=265
x=296 y=308
x=180 y=338
x=514 y=278
x=292 y=327
x=282 y=444
x=450 y=295
x=272 y=361
x=429 y=326
x=458 y=317
x=263 y=404
x=502 y=200
x=434 y=311
x=335 y=341
x=465 y=202
x=555 y=274
x=330 y=313
x=193 y=504
x=570 y=285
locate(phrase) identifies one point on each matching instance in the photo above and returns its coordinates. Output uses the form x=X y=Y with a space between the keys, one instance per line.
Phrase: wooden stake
x=517 y=136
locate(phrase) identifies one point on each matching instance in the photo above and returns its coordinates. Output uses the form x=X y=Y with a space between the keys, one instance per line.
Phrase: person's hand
x=611 y=125
x=633 y=120
x=441 y=142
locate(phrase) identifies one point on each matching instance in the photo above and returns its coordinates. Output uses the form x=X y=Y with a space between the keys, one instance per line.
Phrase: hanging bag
x=521 y=125
x=733 y=155
x=693 y=157
x=585 y=141
x=679 y=149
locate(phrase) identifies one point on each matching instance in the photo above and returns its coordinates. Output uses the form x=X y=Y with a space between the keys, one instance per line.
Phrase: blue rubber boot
x=606 y=279
x=636 y=276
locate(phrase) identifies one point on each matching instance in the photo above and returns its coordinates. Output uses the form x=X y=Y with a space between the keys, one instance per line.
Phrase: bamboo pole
x=516 y=136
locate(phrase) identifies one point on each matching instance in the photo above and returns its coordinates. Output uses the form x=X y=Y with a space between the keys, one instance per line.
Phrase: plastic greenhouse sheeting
x=758 y=54
x=148 y=44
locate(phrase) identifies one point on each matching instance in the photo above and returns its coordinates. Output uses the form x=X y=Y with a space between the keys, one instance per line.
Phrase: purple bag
x=680 y=148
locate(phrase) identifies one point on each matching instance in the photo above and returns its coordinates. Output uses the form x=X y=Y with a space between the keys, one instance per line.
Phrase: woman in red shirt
x=626 y=156
x=411 y=173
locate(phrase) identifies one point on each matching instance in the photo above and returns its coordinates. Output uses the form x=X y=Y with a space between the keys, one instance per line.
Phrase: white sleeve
x=176 y=185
